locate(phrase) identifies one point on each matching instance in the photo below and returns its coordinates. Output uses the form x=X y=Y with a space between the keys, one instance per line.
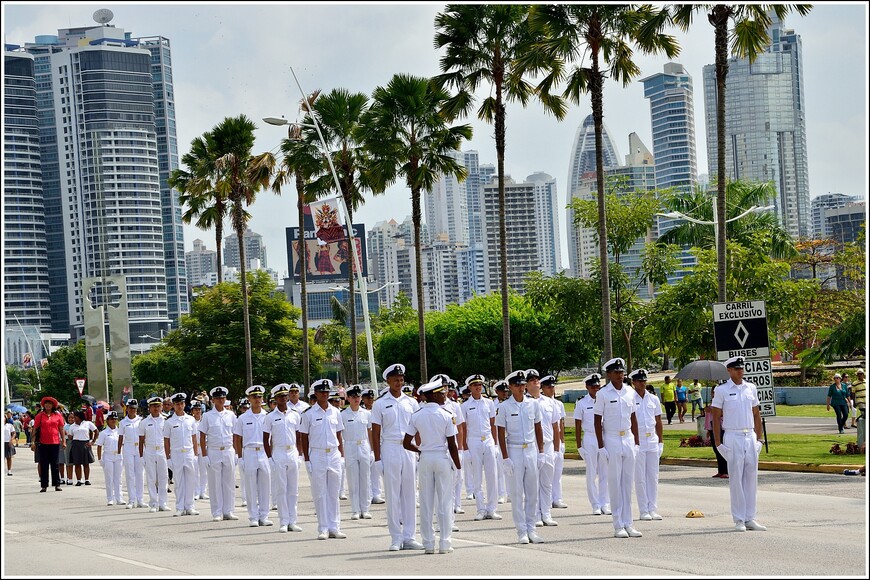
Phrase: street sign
x=740 y=329
x=760 y=373
x=80 y=385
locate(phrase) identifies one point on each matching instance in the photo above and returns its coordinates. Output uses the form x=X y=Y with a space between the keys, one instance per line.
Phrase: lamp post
x=351 y=243
x=715 y=222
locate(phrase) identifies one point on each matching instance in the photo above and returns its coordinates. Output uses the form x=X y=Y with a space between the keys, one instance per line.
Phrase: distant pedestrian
x=48 y=438
x=8 y=447
x=695 y=398
x=838 y=395
x=669 y=398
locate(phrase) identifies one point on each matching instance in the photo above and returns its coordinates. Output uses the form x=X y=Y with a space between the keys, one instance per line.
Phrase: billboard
x=326 y=258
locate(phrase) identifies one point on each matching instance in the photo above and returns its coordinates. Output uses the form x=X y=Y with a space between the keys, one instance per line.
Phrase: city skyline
x=834 y=44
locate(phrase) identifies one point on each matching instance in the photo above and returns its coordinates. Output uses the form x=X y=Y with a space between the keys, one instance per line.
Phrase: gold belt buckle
x=156 y=448
x=746 y=430
x=525 y=445
x=483 y=438
x=222 y=448
x=256 y=448
x=649 y=434
x=328 y=449
x=359 y=441
x=622 y=433
x=135 y=444
x=289 y=446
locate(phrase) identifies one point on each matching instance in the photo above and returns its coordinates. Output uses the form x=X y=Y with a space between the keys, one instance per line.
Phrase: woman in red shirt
x=48 y=434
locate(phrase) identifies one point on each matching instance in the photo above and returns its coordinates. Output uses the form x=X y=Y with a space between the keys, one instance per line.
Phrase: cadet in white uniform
x=216 y=446
x=648 y=410
x=337 y=401
x=368 y=401
x=243 y=406
x=248 y=442
x=616 y=431
x=153 y=453
x=480 y=434
x=110 y=459
x=321 y=443
x=547 y=460
x=518 y=424
x=128 y=447
x=587 y=447
x=391 y=413
x=455 y=409
x=735 y=403
x=179 y=437
x=357 y=454
x=295 y=402
x=439 y=460
x=548 y=389
x=279 y=440
x=502 y=393
x=200 y=490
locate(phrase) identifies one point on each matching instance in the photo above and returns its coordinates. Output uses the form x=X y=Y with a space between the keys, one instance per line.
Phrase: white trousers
x=257 y=482
x=376 y=480
x=459 y=476
x=184 y=474
x=243 y=485
x=465 y=459
x=201 y=487
x=400 y=483
x=285 y=473
x=524 y=487
x=646 y=479
x=503 y=487
x=436 y=475
x=482 y=463
x=221 y=480
x=157 y=475
x=596 y=474
x=359 y=481
x=134 y=473
x=326 y=483
x=620 y=476
x=558 y=464
x=742 y=459
x=545 y=483
x=112 y=473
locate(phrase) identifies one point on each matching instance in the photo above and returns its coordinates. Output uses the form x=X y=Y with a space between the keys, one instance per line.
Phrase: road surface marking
x=126 y=561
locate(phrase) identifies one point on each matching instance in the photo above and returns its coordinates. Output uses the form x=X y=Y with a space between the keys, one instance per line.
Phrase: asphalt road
x=817 y=525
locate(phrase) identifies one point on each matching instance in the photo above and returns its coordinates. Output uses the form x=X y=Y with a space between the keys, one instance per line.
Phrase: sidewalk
x=762 y=465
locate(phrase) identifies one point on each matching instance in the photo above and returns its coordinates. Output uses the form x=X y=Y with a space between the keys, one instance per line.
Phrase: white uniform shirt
x=299 y=406
x=615 y=407
x=322 y=426
x=393 y=415
x=435 y=424
x=455 y=408
x=356 y=432
x=549 y=415
x=736 y=402
x=478 y=413
x=218 y=428
x=250 y=427
x=518 y=420
x=152 y=429
x=82 y=431
x=282 y=428
x=108 y=438
x=180 y=429
x=584 y=411
x=647 y=408
x=129 y=429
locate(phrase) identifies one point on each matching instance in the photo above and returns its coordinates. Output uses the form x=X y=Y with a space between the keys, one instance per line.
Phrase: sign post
x=80 y=385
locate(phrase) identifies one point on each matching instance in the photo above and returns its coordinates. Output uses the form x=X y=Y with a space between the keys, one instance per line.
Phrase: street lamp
x=340 y=199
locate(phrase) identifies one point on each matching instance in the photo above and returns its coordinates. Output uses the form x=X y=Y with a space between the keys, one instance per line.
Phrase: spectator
x=99 y=418
x=64 y=458
x=27 y=422
x=8 y=448
x=84 y=434
x=682 y=399
x=669 y=398
x=16 y=422
x=696 y=399
x=47 y=439
x=721 y=463
x=838 y=395
x=88 y=411
x=859 y=393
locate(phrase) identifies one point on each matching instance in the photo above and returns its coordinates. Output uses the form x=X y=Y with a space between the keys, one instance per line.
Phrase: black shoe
x=43 y=490
x=58 y=488
x=79 y=484
x=87 y=482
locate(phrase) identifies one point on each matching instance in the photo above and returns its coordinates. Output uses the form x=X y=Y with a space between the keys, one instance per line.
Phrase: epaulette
x=308 y=409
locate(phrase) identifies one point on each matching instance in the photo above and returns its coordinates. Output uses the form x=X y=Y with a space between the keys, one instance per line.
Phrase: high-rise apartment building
x=255 y=249
x=547 y=212
x=765 y=125
x=446 y=207
x=200 y=263
x=820 y=204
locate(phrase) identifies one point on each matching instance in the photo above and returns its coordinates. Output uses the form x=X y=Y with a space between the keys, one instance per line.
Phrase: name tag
x=515 y=414
x=350 y=420
x=472 y=408
x=388 y=407
x=589 y=408
x=150 y=424
x=732 y=394
x=175 y=426
x=319 y=419
x=277 y=420
x=249 y=423
x=613 y=401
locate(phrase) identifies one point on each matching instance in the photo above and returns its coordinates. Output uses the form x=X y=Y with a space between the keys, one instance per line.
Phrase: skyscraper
x=447 y=209
x=765 y=125
x=546 y=210
x=255 y=249
x=820 y=204
x=200 y=262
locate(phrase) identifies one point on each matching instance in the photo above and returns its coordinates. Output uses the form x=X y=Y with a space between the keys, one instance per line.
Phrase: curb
x=762 y=465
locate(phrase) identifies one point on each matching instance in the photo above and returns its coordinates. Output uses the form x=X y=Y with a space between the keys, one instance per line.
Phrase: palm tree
x=409 y=137
x=240 y=177
x=339 y=113
x=748 y=231
x=749 y=38
x=301 y=161
x=483 y=43
x=608 y=34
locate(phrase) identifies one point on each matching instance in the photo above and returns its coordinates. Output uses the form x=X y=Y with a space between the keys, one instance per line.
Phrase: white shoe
x=755 y=526
x=343 y=496
x=163 y=508
x=560 y=504
x=152 y=510
x=110 y=503
x=458 y=510
x=141 y=504
x=338 y=535
x=446 y=550
x=535 y=538
x=739 y=527
x=632 y=533
x=179 y=513
x=244 y=504
x=655 y=515
x=502 y=499
x=266 y=522
x=378 y=499
x=596 y=512
x=522 y=539
x=493 y=516
x=217 y=519
x=620 y=533
x=203 y=496
x=293 y=528
x=253 y=523
x=130 y=506
x=354 y=516
x=480 y=517
x=120 y=502
x=395 y=546
x=646 y=517
x=412 y=545
x=366 y=516
x=550 y=522
x=469 y=496
x=429 y=551
x=283 y=529
x=455 y=528
x=231 y=516
x=606 y=510
x=539 y=524
x=322 y=535
x=193 y=512
x=195 y=496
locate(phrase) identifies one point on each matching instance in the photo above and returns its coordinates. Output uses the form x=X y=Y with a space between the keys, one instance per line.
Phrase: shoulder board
x=294 y=409
x=308 y=409
x=418 y=410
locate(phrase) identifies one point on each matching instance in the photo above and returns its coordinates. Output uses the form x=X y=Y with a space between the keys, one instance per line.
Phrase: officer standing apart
x=128 y=447
x=546 y=460
x=216 y=446
x=391 y=414
x=518 y=424
x=179 y=438
x=248 y=442
x=736 y=404
x=356 y=437
x=648 y=411
x=616 y=431
x=320 y=440
x=279 y=440
x=587 y=447
x=439 y=460
x=153 y=453
x=481 y=434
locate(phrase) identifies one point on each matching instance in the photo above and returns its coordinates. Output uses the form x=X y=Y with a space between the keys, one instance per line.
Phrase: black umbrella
x=89 y=399
x=704 y=370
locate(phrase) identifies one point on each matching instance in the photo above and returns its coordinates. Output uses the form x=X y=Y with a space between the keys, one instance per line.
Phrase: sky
x=230 y=59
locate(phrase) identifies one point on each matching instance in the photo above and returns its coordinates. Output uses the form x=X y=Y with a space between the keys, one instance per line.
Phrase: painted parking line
x=133 y=562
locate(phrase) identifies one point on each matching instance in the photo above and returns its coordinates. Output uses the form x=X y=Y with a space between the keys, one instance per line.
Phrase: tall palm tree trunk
x=418 y=261
x=498 y=70
x=597 y=86
x=218 y=240
x=238 y=222
x=719 y=19
x=354 y=363
x=303 y=272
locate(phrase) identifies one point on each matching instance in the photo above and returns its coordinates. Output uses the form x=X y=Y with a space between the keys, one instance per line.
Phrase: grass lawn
x=803 y=411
